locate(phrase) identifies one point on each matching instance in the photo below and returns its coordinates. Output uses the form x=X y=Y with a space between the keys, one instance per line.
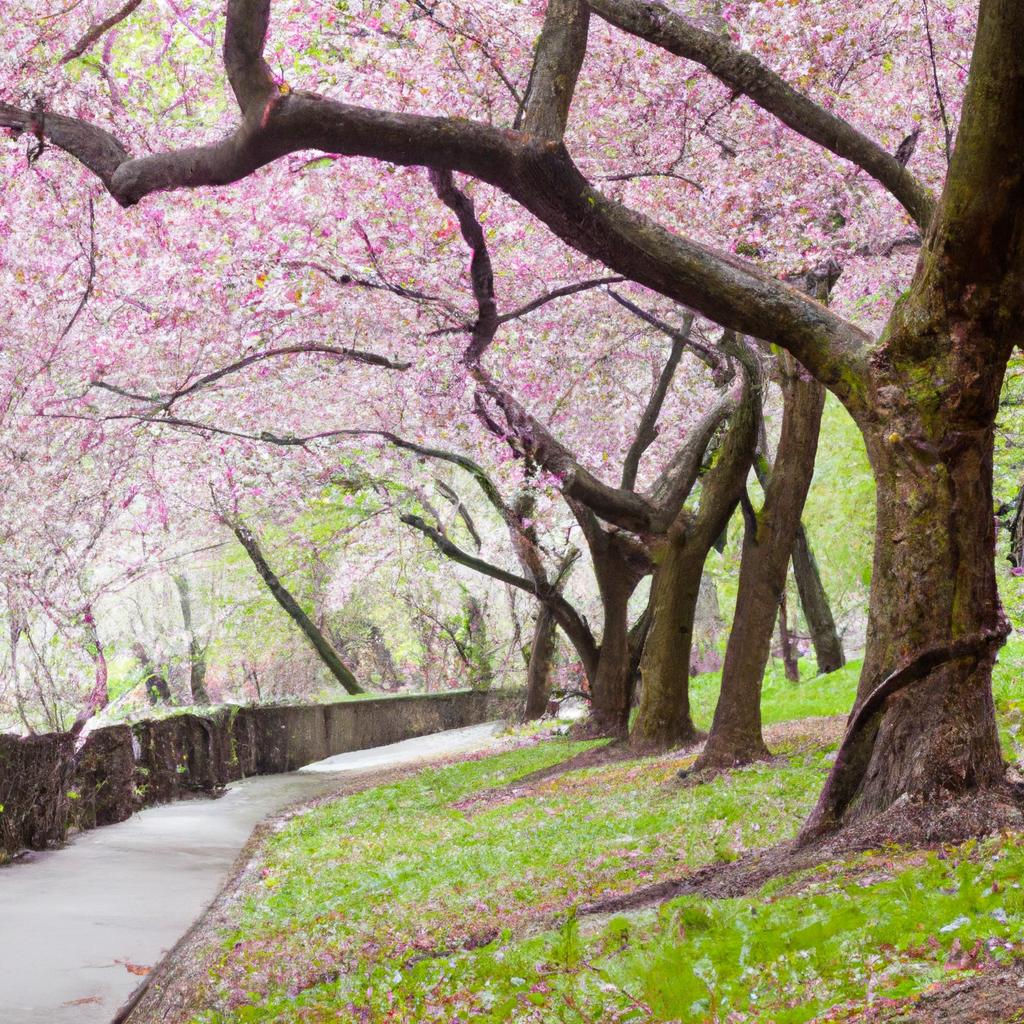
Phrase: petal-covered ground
x=460 y=894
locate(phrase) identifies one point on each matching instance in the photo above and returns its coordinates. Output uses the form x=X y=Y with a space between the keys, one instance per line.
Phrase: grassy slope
x=432 y=899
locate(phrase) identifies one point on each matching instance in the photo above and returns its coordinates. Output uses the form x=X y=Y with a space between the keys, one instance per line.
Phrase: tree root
x=911 y=826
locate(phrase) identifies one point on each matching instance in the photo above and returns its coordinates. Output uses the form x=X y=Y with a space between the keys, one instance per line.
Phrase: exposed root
x=597 y=728
x=913 y=826
x=701 y=774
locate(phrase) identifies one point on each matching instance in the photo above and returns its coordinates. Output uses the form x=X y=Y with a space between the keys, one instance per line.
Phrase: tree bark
x=828 y=647
x=735 y=736
x=538 y=672
x=664 y=718
x=787 y=643
x=328 y=655
x=196 y=654
x=611 y=687
x=933 y=589
x=924 y=727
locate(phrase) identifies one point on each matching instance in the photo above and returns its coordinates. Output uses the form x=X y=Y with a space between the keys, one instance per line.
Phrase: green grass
x=884 y=930
x=452 y=896
x=781 y=700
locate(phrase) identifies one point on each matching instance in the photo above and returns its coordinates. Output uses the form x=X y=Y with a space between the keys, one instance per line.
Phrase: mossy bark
x=933 y=586
x=664 y=718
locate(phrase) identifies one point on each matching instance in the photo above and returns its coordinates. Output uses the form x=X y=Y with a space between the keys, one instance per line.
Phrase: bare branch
x=565 y=615
x=647 y=430
x=745 y=74
x=99 y=30
x=559 y=293
x=708 y=356
x=165 y=401
x=91 y=278
x=946 y=130
x=453 y=498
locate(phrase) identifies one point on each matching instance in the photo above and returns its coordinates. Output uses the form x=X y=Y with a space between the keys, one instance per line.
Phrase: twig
x=87 y=294
x=98 y=30
x=935 y=78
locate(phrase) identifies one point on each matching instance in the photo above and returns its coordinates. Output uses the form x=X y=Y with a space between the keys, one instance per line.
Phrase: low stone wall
x=45 y=790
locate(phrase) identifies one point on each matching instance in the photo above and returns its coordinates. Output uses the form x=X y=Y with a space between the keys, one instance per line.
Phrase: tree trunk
x=196 y=654
x=610 y=688
x=664 y=719
x=322 y=646
x=542 y=656
x=735 y=736
x=929 y=731
x=828 y=648
x=787 y=644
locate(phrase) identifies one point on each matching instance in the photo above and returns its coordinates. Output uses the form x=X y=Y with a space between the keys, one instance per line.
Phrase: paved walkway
x=78 y=926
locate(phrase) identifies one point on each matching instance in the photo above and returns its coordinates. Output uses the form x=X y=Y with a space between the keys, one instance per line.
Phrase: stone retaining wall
x=45 y=790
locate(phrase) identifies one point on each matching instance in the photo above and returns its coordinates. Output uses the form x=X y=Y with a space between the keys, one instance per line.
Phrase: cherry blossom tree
x=922 y=381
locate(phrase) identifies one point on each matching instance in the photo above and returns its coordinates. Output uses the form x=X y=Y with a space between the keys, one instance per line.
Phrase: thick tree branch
x=745 y=74
x=537 y=173
x=670 y=490
x=556 y=66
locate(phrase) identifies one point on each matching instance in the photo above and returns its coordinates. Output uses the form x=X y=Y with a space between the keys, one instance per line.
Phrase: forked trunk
x=924 y=724
x=664 y=718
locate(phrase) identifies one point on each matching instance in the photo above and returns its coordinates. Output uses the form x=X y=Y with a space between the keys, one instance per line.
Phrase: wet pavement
x=80 y=926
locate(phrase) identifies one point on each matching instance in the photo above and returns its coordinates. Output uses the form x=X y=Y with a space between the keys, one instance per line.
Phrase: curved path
x=80 y=926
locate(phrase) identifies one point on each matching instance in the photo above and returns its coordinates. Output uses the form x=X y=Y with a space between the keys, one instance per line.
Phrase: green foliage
x=840 y=510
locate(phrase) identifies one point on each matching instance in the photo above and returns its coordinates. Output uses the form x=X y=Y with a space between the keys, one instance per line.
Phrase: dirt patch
x=993 y=997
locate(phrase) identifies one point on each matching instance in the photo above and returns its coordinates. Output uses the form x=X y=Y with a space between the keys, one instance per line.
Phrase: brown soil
x=995 y=995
